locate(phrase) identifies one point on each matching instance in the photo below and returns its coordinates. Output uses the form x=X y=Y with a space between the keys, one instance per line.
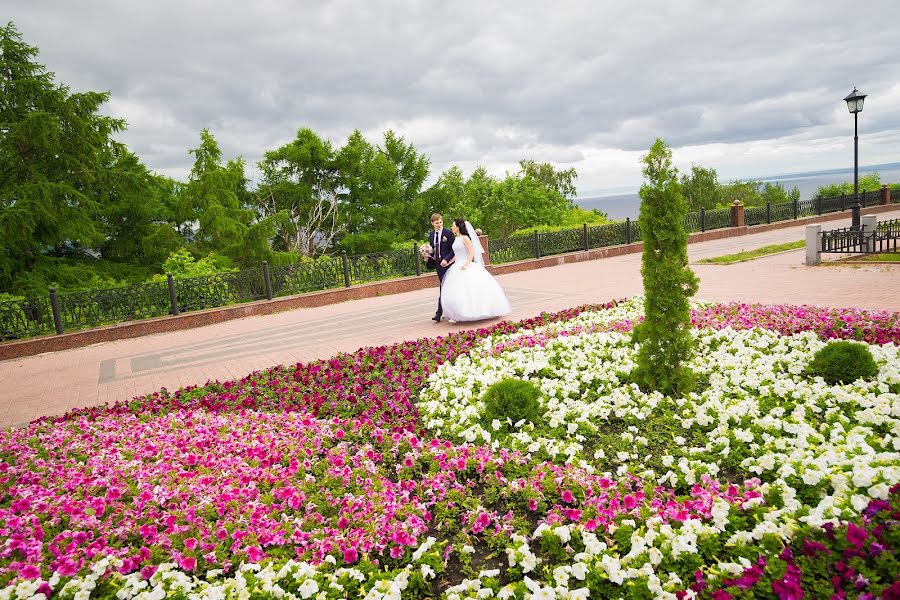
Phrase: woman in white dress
x=469 y=292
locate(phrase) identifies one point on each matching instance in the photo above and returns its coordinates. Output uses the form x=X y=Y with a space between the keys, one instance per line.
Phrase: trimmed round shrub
x=843 y=362
x=513 y=399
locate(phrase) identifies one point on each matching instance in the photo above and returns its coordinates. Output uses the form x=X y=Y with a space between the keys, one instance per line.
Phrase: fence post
x=843 y=203
x=627 y=230
x=173 y=300
x=54 y=306
x=768 y=212
x=702 y=220
x=537 y=245
x=584 y=237
x=737 y=214
x=268 y=279
x=885 y=195
x=869 y=230
x=416 y=258
x=796 y=204
x=818 y=206
x=813 y=245
x=346 y=266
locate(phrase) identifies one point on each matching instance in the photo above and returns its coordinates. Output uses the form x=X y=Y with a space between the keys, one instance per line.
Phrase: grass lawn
x=751 y=254
x=878 y=258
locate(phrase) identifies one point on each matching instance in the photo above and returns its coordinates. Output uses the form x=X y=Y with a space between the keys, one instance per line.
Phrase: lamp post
x=855 y=104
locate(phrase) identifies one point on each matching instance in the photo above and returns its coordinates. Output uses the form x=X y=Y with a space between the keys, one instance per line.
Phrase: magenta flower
x=856 y=535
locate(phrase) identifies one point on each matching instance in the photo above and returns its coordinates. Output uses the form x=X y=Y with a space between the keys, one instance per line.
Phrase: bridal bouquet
x=427 y=251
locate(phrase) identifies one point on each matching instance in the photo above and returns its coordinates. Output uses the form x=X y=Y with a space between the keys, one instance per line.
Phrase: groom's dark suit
x=441 y=249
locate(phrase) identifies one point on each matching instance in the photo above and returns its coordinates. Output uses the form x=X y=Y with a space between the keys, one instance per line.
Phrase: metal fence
x=72 y=311
x=885 y=239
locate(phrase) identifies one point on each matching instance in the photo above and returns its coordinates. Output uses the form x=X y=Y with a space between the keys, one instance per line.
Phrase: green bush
x=842 y=362
x=510 y=401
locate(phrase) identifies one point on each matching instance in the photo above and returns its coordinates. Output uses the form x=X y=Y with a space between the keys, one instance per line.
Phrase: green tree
x=664 y=336
x=401 y=173
x=136 y=220
x=381 y=188
x=701 y=189
x=477 y=198
x=300 y=191
x=867 y=183
x=352 y=162
x=448 y=195
x=211 y=204
x=747 y=192
x=563 y=182
x=50 y=151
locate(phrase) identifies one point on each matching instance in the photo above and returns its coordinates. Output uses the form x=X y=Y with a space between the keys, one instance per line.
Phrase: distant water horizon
x=627 y=205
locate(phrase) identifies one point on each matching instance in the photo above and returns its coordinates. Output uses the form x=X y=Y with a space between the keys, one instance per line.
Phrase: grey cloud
x=568 y=78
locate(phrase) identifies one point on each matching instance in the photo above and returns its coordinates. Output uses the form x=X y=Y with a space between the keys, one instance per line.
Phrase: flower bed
x=372 y=474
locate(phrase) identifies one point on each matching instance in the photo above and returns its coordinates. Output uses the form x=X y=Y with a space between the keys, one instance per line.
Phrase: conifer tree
x=664 y=336
x=51 y=142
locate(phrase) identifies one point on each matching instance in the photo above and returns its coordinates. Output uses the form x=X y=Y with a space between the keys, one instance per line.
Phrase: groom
x=441 y=241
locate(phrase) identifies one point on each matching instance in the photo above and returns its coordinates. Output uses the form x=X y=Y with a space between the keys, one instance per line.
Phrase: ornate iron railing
x=843 y=241
x=895 y=195
x=512 y=249
x=782 y=212
x=884 y=240
x=25 y=318
x=560 y=242
x=891 y=227
x=692 y=222
x=754 y=215
x=718 y=218
x=221 y=289
x=116 y=305
x=611 y=234
x=307 y=277
x=382 y=265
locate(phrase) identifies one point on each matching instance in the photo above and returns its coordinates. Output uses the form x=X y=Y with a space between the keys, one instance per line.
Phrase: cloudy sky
x=748 y=88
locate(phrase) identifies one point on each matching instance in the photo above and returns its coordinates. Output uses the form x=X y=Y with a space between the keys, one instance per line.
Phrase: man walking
x=441 y=242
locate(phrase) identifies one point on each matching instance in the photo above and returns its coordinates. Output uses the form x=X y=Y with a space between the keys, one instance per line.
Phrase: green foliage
x=756 y=193
x=300 y=182
x=842 y=362
x=76 y=274
x=664 y=336
x=575 y=218
x=211 y=198
x=562 y=182
x=182 y=265
x=701 y=189
x=369 y=242
x=136 y=209
x=510 y=401
x=536 y=196
x=49 y=159
x=867 y=183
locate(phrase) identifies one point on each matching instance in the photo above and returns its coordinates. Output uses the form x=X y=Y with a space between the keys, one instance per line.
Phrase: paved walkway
x=53 y=383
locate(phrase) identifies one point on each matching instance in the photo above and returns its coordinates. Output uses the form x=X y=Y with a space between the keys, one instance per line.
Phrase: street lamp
x=855 y=104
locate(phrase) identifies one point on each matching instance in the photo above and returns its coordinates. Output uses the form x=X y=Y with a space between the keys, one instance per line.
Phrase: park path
x=54 y=383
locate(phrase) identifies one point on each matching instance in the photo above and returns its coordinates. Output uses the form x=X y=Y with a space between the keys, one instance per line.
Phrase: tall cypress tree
x=664 y=336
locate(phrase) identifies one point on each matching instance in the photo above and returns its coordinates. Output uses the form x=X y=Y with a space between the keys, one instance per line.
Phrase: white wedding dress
x=471 y=294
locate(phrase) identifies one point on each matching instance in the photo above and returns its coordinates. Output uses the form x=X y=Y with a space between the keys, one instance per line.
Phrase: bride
x=469 y=292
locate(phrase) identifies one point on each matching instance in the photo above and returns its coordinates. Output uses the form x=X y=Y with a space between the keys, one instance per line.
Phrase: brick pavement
x=53 y=383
